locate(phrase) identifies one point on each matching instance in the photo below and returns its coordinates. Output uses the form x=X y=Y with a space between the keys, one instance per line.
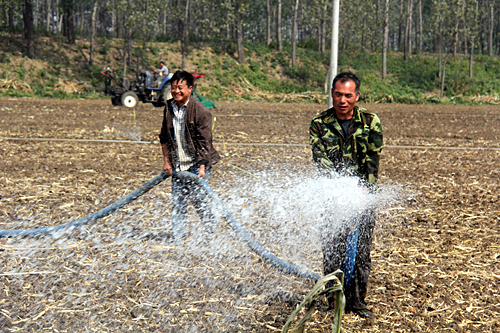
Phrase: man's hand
x=201 y=173
x=167 y=168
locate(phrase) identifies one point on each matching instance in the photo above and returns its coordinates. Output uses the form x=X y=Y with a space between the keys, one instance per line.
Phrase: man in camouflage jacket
x=348 y=140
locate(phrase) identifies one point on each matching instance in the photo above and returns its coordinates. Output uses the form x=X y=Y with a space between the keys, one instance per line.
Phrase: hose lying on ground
x=310 y=300
x=266 y=255
x=280 y=264
x=36 y=232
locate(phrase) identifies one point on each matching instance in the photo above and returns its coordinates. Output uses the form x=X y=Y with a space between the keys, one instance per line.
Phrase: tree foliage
x=443 y=27
x=361 y=21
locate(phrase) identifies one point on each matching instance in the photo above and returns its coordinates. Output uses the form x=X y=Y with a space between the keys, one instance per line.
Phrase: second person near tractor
x=186 y=141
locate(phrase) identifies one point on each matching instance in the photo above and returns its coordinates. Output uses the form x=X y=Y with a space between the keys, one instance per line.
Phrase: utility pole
x=334 y=48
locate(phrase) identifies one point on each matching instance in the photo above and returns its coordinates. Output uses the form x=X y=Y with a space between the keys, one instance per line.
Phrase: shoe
x=363 y=313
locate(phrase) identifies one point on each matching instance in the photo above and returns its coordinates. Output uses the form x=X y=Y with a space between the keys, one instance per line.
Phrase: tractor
x=126 y=93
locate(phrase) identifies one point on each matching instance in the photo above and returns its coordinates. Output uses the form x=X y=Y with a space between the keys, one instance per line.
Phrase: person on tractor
x=163 y=73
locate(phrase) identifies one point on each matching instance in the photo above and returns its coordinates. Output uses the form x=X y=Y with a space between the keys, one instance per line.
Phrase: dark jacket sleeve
x=203 y=134
x=164 y=128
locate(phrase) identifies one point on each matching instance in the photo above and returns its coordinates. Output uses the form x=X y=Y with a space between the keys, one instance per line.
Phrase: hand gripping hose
x=266 y=255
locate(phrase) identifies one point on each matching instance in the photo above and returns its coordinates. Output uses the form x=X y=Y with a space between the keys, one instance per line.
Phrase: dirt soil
x=436 y=254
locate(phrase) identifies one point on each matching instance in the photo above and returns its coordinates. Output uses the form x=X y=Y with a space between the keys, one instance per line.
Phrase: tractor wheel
x=130 y=99
x=116 y=100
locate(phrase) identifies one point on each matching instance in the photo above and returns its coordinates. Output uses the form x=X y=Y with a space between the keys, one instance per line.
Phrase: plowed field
x=436 y=255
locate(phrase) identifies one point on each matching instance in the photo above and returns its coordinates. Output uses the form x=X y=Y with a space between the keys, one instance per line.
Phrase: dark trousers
x=334 y=250
x=182 y=191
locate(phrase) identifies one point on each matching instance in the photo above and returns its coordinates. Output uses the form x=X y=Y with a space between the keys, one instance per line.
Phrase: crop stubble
x=435 y=258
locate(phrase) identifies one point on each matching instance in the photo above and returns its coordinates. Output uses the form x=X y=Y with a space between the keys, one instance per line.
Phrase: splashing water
x=133 y=132
x=124 y=268
x=289 y=213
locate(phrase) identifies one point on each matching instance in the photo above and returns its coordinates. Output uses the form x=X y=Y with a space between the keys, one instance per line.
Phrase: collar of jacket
x=332 y=118
x=190 y=107
x=173 y=101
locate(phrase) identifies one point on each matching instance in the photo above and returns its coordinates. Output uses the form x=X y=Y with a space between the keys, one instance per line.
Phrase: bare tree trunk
x=471 y=60
x=318 y=32
x=420 y=28
x=455 y=41
x=443 y=76
x=438 y=31
x=60 y=16
x=29 y=33
x=490 y=32
x=280 y=42
x=400 y=30
x=375 y=37
x=69 y=27
x=268 y=11
x=129 y=49
x=60 y=23
x=144 y=27
x=116 y=26
x=464 y=24
x=465 y=44
x=11 y=17
x=385 y=44
x=323 y=37
x=294 y=33
x=164 y=24
x=241 y=51
x=36 y=13
x=92 y=36
x=323 y=29
x=82 y=19
x=473 y=39
x=228 y=20
x=49 y=14
x=125 y=53
x=440 y=56
x=363 y=30
x=406 y=42
x=185 y=34
x=408 y=30
x=327 y=83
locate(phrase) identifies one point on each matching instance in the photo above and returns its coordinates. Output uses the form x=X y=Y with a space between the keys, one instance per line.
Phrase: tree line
x=444 y=27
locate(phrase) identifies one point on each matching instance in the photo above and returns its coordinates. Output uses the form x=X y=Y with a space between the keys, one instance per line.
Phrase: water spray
x=280 y=264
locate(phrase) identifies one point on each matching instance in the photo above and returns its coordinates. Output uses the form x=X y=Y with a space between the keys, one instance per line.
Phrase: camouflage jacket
x=358 y=154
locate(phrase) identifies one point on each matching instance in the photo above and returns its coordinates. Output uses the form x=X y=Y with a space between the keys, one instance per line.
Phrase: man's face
x=344 y=99
x=181 y=92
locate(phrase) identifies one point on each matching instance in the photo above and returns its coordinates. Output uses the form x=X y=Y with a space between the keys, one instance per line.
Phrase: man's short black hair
x=183 y=75
x=346 y=76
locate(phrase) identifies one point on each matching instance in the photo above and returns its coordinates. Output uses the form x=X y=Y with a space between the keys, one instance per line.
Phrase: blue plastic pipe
x=281 y=265
x=350 y=255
